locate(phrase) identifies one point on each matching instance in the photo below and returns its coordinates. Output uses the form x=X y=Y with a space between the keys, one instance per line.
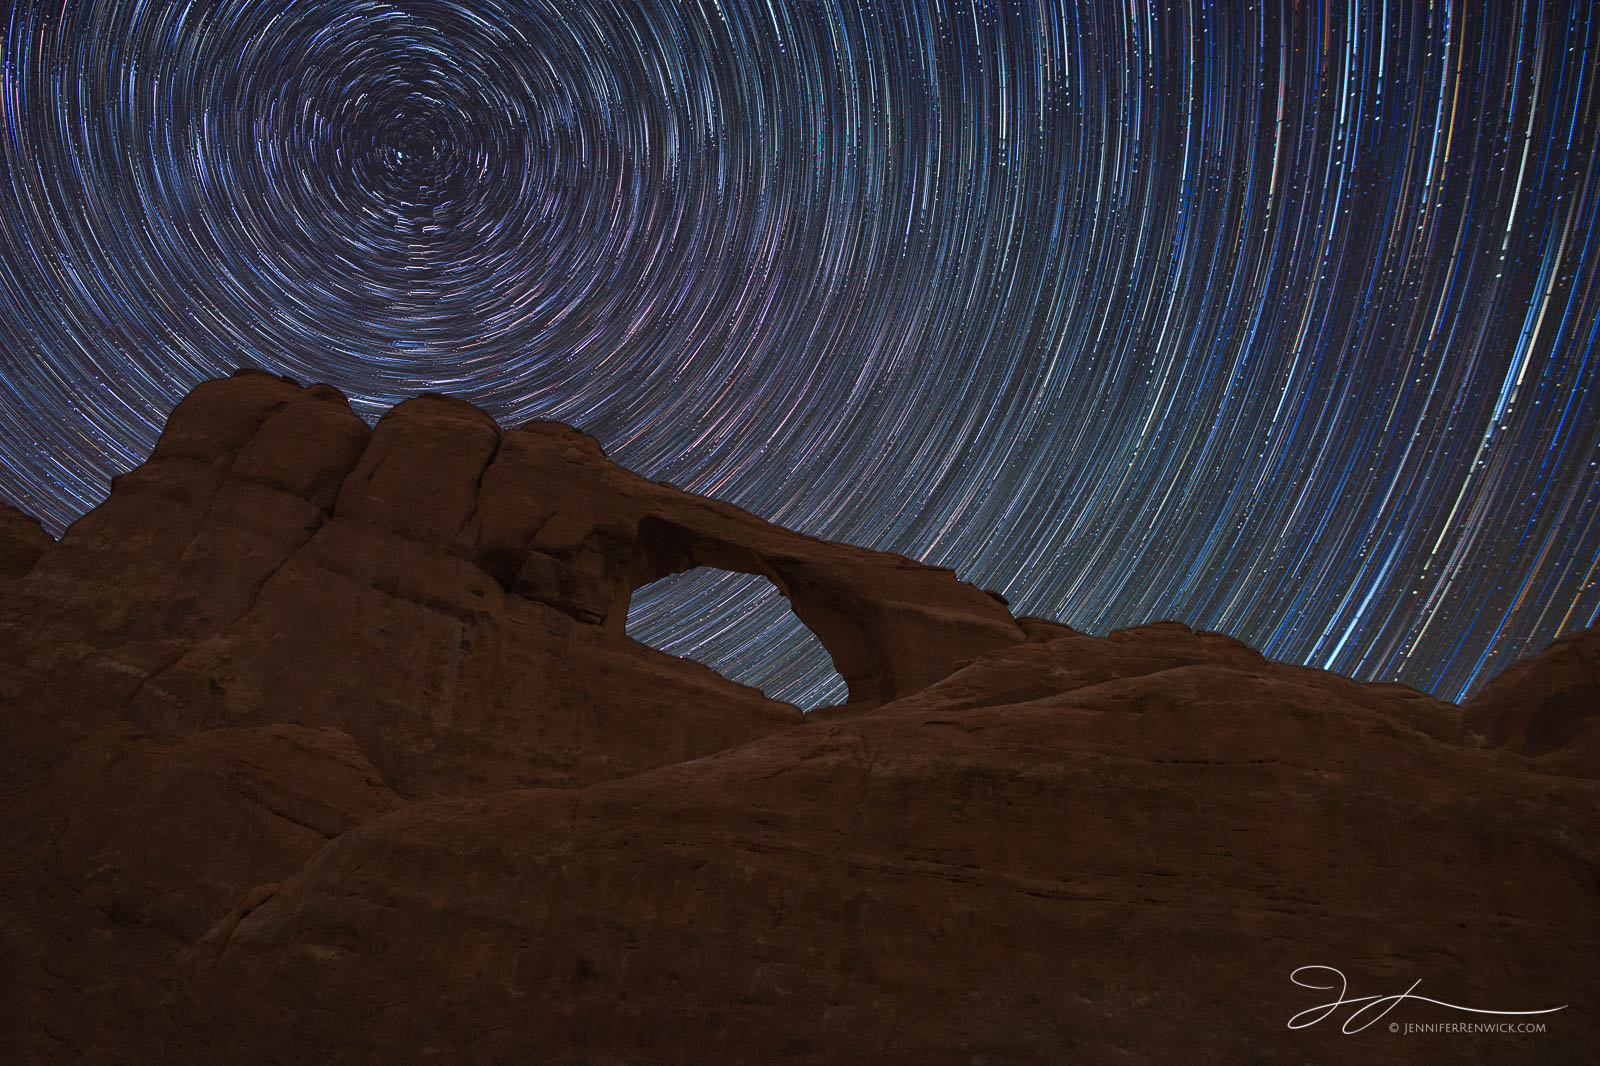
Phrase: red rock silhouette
x=327 y=745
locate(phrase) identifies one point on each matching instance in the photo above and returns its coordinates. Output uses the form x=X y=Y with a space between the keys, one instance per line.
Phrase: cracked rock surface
x=326 y=744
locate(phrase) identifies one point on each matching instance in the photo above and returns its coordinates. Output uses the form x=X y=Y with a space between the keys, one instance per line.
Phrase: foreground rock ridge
x=325 y=743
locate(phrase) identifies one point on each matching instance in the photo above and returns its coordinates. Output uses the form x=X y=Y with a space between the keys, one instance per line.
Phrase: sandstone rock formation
x=327 y=745
x=446 y=593
x=22 y=541
x=1546 y=706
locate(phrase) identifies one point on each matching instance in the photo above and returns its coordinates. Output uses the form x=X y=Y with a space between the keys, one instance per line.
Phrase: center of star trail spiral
x=1279 y=319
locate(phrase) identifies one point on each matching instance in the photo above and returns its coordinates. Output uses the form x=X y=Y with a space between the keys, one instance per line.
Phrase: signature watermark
x=1368 y=1010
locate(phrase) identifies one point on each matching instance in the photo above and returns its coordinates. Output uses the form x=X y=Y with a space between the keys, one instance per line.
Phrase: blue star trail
x=1275 y=318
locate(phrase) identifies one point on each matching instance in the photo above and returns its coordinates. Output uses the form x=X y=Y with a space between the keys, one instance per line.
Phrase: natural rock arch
x=665 y=547
x=557 y=522
x=868 y=627
x=742 y=607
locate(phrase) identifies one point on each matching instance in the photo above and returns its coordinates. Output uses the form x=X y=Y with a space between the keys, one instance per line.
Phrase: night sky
x=1275 y=318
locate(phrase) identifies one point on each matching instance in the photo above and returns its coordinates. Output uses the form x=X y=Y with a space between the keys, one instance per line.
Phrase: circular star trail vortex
x=1276 y=318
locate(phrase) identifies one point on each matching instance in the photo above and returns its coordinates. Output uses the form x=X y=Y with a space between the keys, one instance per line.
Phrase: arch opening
x=741 y=626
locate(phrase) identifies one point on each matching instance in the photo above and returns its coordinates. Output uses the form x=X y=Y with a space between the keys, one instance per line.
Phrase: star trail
x=1278 y=319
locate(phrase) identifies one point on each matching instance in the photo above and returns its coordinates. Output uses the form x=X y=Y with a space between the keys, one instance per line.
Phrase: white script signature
x=1371 y=1008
